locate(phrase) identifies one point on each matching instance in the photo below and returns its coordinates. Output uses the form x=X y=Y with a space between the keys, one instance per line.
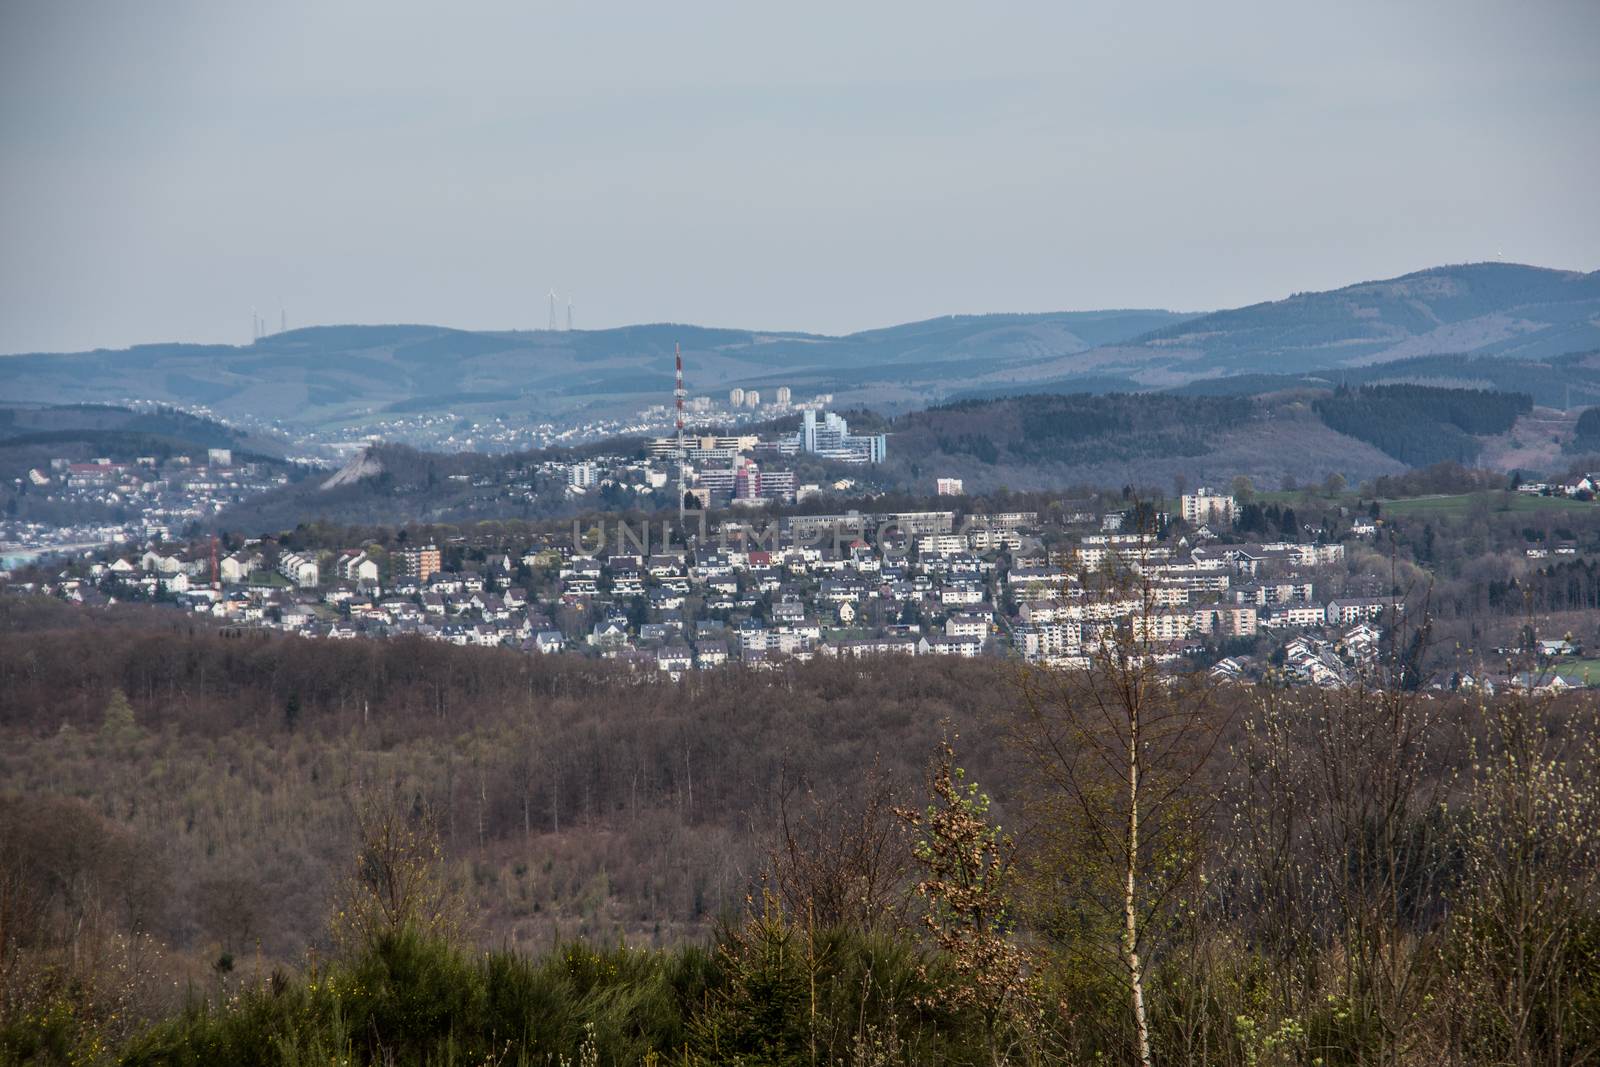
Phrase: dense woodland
x=1586 y=439
x=227 y=848
x=1076 y=428
x=1560 y=381
x=1421 y=425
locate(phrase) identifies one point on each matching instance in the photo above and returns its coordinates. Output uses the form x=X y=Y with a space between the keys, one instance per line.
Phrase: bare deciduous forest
x=224 y=847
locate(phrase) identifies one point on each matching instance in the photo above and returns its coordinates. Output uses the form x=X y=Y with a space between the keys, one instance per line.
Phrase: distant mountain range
x=1499 y=310
x=363 y=375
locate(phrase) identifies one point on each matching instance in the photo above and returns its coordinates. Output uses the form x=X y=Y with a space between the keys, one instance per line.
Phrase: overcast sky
x=164 y=167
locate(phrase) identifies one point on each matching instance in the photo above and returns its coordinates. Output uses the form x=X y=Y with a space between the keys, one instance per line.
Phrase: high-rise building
x=736 y=397
x=752 y=398
x=778 y=485
x=948 y=487
x=783 y=396
x=833 y=440
x=581 y=475
x=417 y=561
x=715 y=480
x=747 y=481
x=1205 y=505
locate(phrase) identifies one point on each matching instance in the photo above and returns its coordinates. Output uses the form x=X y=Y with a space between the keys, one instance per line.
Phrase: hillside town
x=470 y=431
x=1058 y=590
x=142 y=499
x=721 y=470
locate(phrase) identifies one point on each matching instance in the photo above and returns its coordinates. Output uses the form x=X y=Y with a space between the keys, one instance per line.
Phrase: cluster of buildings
x=749 y=469
x=1177 y=599
x=856 y=584
x=1332 y=661
x=130 y=502
x=1584 y=486
x=782 y=399
x=465 y=431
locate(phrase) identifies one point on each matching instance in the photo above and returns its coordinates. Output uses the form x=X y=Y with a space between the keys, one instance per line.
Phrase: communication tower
x=678 y=394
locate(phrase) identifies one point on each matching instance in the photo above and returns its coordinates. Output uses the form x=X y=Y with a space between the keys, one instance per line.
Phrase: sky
x=166 y=167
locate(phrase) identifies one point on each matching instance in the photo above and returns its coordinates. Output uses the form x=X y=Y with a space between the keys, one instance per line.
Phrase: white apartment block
x=1301 y=615
x=300 y=570
x=966 y=624
x=941 y=545
x=1206 y=506
x=1163 y=626
x=995 y=540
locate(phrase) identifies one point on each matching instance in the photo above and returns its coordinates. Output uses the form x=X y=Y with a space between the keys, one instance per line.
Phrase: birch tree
x=1118 y=818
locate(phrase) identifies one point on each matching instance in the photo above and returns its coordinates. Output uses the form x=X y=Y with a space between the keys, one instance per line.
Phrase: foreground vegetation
x=222 y=851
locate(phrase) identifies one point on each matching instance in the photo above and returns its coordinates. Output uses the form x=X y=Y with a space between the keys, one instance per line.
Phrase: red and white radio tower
x=677 y=397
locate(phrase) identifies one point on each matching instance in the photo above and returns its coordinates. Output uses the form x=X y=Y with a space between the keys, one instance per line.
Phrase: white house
x=300 y=570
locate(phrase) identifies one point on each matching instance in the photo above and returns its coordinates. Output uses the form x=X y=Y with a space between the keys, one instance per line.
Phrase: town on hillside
x=1196 y=587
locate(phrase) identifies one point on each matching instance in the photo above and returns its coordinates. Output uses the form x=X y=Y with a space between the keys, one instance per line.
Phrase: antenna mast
x=216 y=578
x=677 y=398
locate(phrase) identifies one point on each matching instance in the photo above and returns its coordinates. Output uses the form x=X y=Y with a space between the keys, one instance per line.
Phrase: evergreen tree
x=119 y=724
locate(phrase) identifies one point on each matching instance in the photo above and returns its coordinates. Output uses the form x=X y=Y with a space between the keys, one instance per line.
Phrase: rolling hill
x=1045 y=441
x=1500 y=310
x=1569 y=381
x=31 y=435
x=363 y=376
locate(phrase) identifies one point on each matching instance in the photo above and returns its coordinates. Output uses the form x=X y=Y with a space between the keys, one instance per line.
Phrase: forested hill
x=1076 y=428
x=32 y=435
x=1039 y=442
x=1586 y=439
x=1487 y=309
x=1492 y=308
x=230 y=849
x=1030 y=442
x=1148 y=439
x=1568 y=381
x=1420 y=425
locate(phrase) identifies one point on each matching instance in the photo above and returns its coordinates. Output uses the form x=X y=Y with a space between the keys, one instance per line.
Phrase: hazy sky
x=164 y=167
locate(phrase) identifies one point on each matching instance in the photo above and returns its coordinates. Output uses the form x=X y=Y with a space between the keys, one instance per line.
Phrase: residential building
x=301 y=571
x=1206 y=506
x=416 y=561
x=831 y=439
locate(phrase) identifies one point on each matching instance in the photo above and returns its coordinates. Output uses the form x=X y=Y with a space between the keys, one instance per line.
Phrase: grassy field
x=1578 y=671
x=1461 y=504
x=1452 y=505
